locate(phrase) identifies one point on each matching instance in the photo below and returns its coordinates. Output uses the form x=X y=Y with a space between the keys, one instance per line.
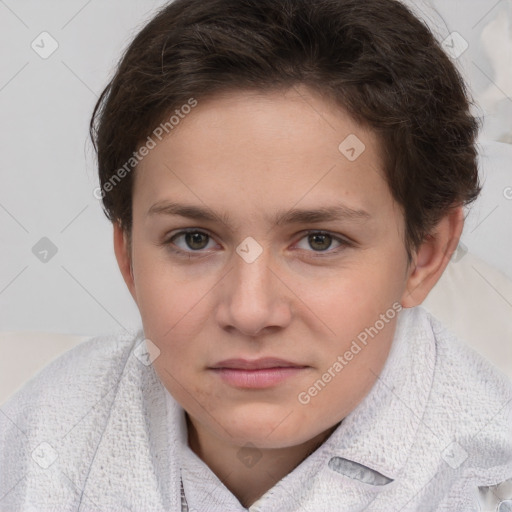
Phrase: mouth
x=256 y=374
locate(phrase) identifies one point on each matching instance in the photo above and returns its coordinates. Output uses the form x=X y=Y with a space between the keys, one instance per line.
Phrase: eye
x=321 y=241
x=193 y=241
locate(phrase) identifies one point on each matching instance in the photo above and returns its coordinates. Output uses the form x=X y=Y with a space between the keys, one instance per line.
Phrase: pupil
x=323 y=240
x=193 y=238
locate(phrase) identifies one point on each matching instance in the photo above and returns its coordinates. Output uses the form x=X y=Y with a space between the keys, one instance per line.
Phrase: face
x=262 y=252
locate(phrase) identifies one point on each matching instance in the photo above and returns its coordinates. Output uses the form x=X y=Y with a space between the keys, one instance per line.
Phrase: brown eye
x=196 y=240
x=320 y=241
x=190 y=241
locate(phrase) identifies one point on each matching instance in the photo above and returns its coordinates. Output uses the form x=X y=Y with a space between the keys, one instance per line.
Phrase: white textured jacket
x=97 y=431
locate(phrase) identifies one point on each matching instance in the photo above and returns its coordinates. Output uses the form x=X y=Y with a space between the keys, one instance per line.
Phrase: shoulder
x=465 y=375
x=70 y=383
x=51 y=428
x=470 y=400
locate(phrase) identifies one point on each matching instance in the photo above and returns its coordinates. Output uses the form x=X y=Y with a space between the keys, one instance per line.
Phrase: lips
x=256 y=364
x=256 y=374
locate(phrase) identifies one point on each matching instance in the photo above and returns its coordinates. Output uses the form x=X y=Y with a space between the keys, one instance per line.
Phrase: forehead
x=255 y=151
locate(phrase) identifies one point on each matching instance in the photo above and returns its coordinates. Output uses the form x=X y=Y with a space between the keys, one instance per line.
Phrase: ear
x=124 y=258
x=432 y=257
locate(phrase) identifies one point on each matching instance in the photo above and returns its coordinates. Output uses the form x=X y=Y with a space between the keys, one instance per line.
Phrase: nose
x=254 y=298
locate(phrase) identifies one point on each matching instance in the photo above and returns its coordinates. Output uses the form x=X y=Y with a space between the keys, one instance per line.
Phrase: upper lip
x=256 y=364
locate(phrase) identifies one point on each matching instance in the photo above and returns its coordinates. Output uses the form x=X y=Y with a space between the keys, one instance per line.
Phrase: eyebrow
x=293 y=216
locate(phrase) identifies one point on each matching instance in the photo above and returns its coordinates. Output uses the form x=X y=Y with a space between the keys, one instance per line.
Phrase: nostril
x=357 y=471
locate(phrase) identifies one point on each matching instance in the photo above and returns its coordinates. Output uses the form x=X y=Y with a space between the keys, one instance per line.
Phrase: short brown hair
x=373 y=57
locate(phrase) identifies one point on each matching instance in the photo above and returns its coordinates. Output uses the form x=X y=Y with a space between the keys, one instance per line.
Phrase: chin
x=268 y=426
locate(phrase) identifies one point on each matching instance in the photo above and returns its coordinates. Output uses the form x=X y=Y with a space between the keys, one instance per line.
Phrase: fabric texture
x=97 y=431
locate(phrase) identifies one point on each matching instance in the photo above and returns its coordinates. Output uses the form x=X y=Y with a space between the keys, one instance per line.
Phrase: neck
x=248 y=472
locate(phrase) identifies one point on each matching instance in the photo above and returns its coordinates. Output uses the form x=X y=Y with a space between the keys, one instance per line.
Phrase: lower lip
x=257 y=379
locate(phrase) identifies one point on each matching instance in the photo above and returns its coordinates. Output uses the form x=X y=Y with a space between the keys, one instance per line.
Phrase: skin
x=248 y=155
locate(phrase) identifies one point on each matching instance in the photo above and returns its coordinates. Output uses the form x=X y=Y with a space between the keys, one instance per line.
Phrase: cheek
x=360 y=309
x=165 y=297
x=350 y=369
x=354 y=298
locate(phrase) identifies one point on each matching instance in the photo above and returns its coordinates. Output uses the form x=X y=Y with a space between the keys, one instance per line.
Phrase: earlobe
x=124 y=258
x=432 y=258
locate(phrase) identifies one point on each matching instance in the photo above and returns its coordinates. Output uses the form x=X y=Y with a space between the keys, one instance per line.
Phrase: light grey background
x=47 y=166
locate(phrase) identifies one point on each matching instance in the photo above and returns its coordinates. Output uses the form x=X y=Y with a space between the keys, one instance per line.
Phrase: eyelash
x=344 y=243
